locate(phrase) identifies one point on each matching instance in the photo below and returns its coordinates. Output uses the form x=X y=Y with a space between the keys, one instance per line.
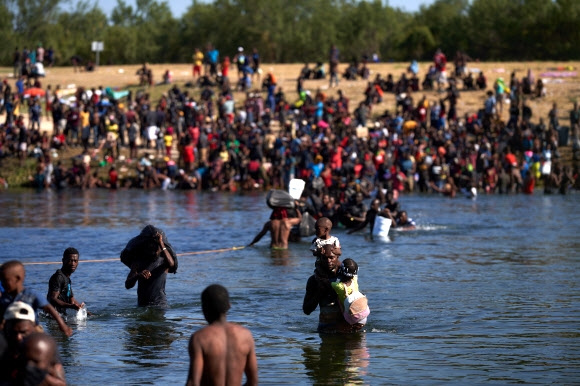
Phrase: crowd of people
x=213 y=141
x=221 y=352
x=344 y=154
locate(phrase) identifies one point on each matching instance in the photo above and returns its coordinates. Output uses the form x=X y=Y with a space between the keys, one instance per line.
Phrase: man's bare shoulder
x=214 y=330
x=239 y=331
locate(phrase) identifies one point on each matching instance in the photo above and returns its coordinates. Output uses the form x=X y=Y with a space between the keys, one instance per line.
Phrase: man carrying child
x=319 y=292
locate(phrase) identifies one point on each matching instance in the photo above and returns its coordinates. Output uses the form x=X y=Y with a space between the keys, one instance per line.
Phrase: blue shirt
x=317 y=169
x=20 y=86
x=27 y=296
x=213 y=56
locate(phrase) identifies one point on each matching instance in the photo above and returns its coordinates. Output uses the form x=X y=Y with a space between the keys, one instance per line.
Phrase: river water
x=484 y=291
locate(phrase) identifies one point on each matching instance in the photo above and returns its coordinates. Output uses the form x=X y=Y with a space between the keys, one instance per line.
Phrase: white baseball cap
x=20 y=311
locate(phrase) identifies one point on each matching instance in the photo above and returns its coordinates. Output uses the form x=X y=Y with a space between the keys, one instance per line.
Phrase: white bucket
x=382 y=226
x=296 y=187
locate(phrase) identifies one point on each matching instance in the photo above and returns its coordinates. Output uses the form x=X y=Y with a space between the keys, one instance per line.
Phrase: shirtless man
x=279 y=226
x=221 y=352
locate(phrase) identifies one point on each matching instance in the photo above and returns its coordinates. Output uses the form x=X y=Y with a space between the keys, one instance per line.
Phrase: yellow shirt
x=197 y=59
x=409 y=125
x=84 y=118
x=340 y=288
x=112 y=132
x=225 y=156
x=168 y=140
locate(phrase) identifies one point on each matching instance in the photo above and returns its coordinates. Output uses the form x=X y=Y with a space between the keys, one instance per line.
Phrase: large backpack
x=134 y=250
x=356 y=307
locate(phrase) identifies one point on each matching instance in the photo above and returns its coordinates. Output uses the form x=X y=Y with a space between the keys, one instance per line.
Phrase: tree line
x=290 y=31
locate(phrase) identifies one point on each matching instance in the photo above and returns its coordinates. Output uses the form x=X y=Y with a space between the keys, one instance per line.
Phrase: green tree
x=9 y=41
x=419 y=43
x=295 y=30
x=74 y=32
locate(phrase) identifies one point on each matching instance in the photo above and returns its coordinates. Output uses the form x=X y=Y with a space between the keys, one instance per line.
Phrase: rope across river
x=118 y=259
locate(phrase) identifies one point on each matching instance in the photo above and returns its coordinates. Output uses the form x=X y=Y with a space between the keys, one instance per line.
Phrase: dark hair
x=215 y=301
x=70 y=251
x=10 y=265
x=348 y=269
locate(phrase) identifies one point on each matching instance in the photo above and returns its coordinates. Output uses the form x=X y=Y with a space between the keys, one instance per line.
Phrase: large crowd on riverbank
x=215 y=142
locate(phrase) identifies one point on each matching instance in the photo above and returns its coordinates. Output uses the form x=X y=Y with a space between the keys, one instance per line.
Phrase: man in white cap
x=19 y=323
x=21 y=319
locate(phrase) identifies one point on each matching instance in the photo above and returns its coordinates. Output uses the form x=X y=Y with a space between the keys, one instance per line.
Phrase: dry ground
x=562 y=91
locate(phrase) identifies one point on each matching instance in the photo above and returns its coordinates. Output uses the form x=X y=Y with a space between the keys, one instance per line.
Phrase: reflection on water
x=149 y=337
x=339 y=359
x=482 y=290
x=280 y=256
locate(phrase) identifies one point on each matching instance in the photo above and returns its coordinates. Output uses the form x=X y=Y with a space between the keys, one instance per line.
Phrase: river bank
x=559 y=90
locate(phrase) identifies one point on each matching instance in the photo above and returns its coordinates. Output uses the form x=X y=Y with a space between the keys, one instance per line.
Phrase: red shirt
x=336 y=158
x=113 y=176
x=511 y=159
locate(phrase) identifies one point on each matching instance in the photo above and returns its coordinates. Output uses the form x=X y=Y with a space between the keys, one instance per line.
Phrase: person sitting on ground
x=351 y=72
x=318 y=72
x=428 y=81
x=12 y=275
x=167 y=77
x=540 y=91
x=306 y=72
x=481 y=81
x=363 y=71
x=468 y=82
x=144 y=74
x=220 y=353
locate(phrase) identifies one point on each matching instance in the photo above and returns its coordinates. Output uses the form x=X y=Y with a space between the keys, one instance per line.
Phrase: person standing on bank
x=150 y=273
x=60 y=293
